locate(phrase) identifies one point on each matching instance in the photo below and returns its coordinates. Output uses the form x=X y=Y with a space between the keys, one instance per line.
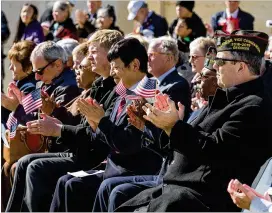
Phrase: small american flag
x=121 y=89
x=123 y=92
x=11 y=120
x=132 y=95
x=146 y=88
x=12 y=131
x=32 y=101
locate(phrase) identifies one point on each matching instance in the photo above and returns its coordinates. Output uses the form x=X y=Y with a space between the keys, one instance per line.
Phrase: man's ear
x=58 y=63
x=135 y=64
x=242 y=66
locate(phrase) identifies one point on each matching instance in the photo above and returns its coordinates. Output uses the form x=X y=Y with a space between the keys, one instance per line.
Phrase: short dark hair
x=127 y=50
x=253 y=61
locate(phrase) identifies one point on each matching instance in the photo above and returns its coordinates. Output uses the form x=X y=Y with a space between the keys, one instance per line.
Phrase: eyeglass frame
x=40 y=71
x=224 y=60
x=205 y=77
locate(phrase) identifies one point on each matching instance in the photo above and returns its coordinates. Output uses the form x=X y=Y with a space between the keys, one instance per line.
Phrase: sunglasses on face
x=222 y=61
x=40 y=71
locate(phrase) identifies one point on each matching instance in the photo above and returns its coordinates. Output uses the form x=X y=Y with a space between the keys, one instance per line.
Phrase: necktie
x=120 y=107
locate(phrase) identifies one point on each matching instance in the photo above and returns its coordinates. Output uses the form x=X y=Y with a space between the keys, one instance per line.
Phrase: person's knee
x=106 y=186
x=74 y=185
x=33 y=169
x=24 y=161
x=62 y=181
x=118 y=192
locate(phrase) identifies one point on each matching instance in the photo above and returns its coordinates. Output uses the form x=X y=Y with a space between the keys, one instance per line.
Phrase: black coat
x=245 y=20
x=77 y=137
x=121 y=141
x=63 y=89
x=229 y=139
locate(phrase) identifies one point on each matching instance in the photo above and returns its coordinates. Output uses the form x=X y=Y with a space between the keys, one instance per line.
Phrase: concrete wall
x=260 y=9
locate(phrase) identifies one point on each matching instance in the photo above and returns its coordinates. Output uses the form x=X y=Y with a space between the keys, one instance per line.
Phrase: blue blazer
x=245 y=20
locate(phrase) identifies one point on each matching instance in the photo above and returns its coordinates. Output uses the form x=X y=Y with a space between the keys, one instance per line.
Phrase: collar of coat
x=228 y=95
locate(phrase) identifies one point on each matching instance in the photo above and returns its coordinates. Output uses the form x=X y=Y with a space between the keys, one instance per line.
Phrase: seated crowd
x=162 y=119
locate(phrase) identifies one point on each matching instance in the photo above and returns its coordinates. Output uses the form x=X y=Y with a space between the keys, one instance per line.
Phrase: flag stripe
x=32 y=101
x=35 y=105
x=11 y=121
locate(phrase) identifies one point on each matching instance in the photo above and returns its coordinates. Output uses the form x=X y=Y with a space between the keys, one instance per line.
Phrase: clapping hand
x=47 y=126
x=164 y=119
x=92 y=111
x=242 y=194
x=48 y=103
x=161 y=102
x=135 y=113
x=11 y=101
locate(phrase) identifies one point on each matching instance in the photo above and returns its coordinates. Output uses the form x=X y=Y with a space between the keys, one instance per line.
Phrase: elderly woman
x=63 y=26
x=198 y=50
x=21 y=68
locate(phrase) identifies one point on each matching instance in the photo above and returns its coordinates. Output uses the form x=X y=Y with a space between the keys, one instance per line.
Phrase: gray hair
x=203 y=44
x=61 y=5
x=68 y=45
x=50 y=51
x=166 y=45
x=253 y=62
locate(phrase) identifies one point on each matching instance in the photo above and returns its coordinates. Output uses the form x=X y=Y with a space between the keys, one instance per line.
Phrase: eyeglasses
x=222 y=61
x=41 y=70
x=195 y=57
x=157 y=53
x=83 y=68
x=205 y=76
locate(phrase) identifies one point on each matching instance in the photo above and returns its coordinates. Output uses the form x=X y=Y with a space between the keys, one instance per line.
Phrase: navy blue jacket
x=63 y=88
x=26 y=85
x=157 y=24
x=245 y=20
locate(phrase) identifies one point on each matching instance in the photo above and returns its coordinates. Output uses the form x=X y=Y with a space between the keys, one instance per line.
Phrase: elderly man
x=213 y=148
x=48 y=61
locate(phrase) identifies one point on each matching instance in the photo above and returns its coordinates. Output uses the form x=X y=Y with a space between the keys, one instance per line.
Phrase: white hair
x=50 y=51
x=68 y=45
x=167 y=45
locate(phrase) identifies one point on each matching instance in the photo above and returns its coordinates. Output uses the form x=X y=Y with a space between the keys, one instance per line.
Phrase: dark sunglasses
x=41 y=70
x=222 y=61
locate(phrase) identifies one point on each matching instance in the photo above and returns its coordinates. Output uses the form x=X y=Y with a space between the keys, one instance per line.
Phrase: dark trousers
x=117 y=190
x=24 y=171
x=74 y=194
